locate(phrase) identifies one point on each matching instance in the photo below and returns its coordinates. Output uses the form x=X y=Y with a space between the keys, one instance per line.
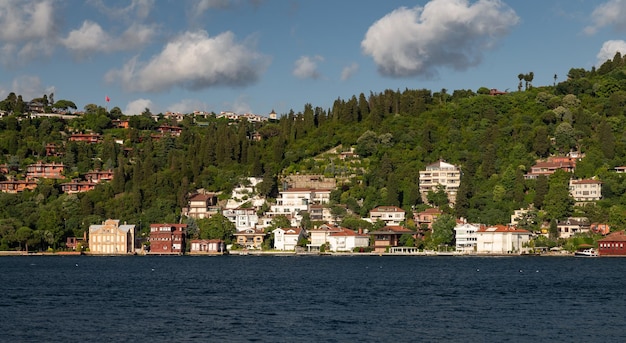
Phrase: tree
x=64 y=105
x=442 y=231
x=216 y=227
x=22 y=235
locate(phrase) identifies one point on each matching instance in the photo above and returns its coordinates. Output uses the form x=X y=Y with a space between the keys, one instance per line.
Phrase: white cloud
x=138 y=106
x=194 y=61
x=200 y=6
x=91 y=38
x=28 y=29
x=240 y=105
x=30 y=87
x=444 y=33
x=348 y=71
x=610 y=13
x=608 y=50
x=137 y=9
x=306 y=67
x=188 y=106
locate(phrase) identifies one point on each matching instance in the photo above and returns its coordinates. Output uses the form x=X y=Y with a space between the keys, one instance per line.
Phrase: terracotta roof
x=387 y=209
x=502 y=228
x=392 y=229
x=618 y=236
x=586 y=181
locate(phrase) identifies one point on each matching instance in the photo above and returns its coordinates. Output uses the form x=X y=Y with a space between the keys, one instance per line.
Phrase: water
x=311 y=298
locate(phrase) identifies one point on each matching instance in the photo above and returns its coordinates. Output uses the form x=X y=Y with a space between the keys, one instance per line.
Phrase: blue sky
x=252 y=56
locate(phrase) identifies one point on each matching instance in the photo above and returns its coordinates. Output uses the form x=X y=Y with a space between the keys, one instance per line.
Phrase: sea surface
x=312 y=299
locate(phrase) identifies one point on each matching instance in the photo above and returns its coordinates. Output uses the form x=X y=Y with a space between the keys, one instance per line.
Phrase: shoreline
x=298 y=254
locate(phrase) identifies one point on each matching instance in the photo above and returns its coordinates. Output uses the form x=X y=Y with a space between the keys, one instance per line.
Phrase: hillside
x=494 y=139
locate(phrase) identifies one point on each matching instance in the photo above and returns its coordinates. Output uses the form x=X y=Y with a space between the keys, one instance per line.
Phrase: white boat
x=591 y=252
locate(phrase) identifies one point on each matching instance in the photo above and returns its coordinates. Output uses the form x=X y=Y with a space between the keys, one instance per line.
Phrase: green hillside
x=494 y=139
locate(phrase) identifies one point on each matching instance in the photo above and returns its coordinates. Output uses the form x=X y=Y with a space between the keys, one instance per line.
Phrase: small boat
x=590 y=252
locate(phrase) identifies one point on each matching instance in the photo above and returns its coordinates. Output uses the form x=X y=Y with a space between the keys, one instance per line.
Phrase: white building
x=440 y=173
x=501 y=239
x=337 y=238
x=465 y=236
x=295 y=200
x=391 y=215
x=243 y=218
x=585 y=190
x=287 y=239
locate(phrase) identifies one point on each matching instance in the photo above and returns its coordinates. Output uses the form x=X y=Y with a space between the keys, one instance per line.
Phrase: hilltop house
x=201 y=205
x=111 y=238
x=585 y=190
x=243 y=218
x=426 y=218
x=440 y=174
x=45 y=170
x=16 y=186
x=391 y=215
x=572 y=225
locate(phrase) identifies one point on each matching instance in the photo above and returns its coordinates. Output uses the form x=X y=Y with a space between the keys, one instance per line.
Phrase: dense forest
x=493 y=139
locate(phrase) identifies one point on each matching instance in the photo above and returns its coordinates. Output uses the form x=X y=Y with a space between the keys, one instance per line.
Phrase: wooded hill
x=494 y=140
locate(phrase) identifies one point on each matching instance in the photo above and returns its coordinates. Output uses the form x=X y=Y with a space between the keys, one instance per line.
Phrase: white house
x=391 y=215
x=344 y=239
x=585 y=190
x=501 y=239
x=287 y=238
x=465 y=236
x=295 y=200
x=243 y=218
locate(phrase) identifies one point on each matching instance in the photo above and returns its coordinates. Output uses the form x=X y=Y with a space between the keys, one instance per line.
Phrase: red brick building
x=45 y=170
x=97 y=176
x=167 y=238
x=16 y=186
x=613 y=245
x=85 y=137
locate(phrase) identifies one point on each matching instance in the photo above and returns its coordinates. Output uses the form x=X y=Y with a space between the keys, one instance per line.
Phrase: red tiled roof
x=618 y=236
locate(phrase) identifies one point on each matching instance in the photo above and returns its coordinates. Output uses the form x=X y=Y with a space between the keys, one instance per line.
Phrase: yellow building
x=111 y=238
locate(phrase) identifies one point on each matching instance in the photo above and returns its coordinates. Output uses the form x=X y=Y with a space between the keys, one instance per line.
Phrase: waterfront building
x=287 y=238
x=501 y=239
x=207 y=246
x=613 y=245
x=167 y=238
x=465 y=236
x=111 y=238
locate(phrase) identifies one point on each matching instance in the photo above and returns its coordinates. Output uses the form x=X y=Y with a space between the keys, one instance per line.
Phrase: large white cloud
x=27 y=29
x=138 y=106
x=90 y=38
x=610 y=13
x=194 y=61
x=608 y=50
x=306 y=67
x=444 y=33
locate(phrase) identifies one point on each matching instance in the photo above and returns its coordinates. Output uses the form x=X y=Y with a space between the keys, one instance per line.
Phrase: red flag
x=107 y=98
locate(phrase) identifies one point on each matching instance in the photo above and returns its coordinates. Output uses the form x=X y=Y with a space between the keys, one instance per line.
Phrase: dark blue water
x=313 y=299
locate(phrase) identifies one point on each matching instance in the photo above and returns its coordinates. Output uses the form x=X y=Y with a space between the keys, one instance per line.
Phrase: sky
x=255 y=56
